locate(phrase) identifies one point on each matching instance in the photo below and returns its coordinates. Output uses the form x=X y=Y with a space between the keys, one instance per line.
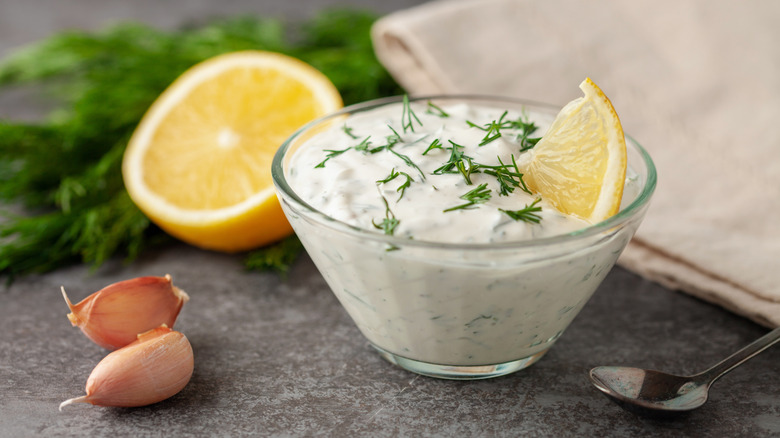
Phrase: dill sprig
x=67 y=168
x=364 y=145
x=435 y=110
x=508 y=177
x=408 y=117
x=458 y=162
x=407 y=160
x=456 y=156
x=526 y=214
x=330 y=154
x=389 y=222
x=435 y=144
x=479 y=195
x=402 y=188
x=393 y=140
x=526 y=128
x=348 y=130
x=492 y=129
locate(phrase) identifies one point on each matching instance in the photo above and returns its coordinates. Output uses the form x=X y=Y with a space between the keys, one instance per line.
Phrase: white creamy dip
x=345 y=186
x=459 y=310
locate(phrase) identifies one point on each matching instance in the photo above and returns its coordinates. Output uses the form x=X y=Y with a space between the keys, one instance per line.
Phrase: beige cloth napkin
x=696 y=82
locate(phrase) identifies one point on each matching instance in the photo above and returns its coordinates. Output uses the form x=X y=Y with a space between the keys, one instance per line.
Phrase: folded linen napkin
x=695 y=82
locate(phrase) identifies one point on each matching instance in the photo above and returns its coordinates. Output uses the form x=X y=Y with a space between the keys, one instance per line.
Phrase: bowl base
x=457 y=372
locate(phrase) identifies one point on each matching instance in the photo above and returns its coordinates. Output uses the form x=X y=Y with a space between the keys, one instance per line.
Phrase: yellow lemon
x=199 y=163
x=579 y=165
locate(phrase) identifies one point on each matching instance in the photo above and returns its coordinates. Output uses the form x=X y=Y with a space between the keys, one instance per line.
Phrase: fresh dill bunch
x=66 y=168
x=277 y=257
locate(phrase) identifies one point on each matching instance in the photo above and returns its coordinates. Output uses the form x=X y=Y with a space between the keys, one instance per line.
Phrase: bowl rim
x=285 y=191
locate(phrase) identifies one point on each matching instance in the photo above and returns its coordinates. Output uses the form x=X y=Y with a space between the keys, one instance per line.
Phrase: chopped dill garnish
x=408 y=117
x=363 y=145
x=456 y=155
x=508 y=176
x=389 y=222
x=392 y=176
x=394 y=138
x=435 y=110
x=479 y=195
x=492 y=129
x=348 y=130
x=435 y=144
x=406 y=160
x=526 y=214
x=458 y=163
x=402 y=188
x=526 y=128
x=331 y=153
x=467 y=171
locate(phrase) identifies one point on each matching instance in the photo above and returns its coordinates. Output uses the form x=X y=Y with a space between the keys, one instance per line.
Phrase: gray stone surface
x=282 y=358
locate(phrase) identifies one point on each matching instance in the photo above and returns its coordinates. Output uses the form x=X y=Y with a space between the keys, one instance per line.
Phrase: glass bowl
x=461 y=311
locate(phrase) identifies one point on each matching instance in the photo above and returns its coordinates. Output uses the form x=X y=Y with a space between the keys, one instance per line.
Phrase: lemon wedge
x=579 y=165
x=199 y=163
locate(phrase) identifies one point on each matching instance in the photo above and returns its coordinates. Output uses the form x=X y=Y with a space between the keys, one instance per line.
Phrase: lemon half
x=199 y=163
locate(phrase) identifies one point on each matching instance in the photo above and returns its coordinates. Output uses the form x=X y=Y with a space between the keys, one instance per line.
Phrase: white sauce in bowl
x=446 y=303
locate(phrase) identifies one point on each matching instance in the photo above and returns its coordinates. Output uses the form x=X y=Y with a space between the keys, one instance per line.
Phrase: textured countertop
x=281 y=357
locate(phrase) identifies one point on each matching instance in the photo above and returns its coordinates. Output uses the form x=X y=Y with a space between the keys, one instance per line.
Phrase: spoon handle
x=736 y=359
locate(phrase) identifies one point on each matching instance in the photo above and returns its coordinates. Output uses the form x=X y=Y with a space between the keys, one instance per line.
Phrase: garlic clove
x=114 y=315
x=153 y=368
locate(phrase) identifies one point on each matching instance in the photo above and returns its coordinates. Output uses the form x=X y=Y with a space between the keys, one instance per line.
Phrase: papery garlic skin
x=155 y=367
x=113 y=316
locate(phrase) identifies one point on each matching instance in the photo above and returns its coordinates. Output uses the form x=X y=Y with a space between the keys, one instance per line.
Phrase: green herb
x=435 y=110
x=526 y=128
x=348 y=130
x=363 y=145
x=330 y=154
x=467 y=171
x=508 y=177
x=492 y=129
x=402 y=188
x=526 y=214
x=479 y=195
x=407 y=160
x=458 y=163
x=389 y=223
x=277 y=257
x=67 y=168
x=435 y=144
x=456 y=156
x=408 y=117
x=393 y=138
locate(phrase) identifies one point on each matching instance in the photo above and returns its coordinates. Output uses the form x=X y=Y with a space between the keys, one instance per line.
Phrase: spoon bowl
x=656 y=391
x=650 y=389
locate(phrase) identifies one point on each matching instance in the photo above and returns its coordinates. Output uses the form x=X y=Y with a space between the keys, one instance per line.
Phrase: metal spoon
x=659 y=392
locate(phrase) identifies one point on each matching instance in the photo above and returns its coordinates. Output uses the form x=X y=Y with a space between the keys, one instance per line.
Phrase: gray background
x=282 y=358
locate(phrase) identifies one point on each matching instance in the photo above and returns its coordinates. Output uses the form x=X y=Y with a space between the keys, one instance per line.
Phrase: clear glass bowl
x=507 y=303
